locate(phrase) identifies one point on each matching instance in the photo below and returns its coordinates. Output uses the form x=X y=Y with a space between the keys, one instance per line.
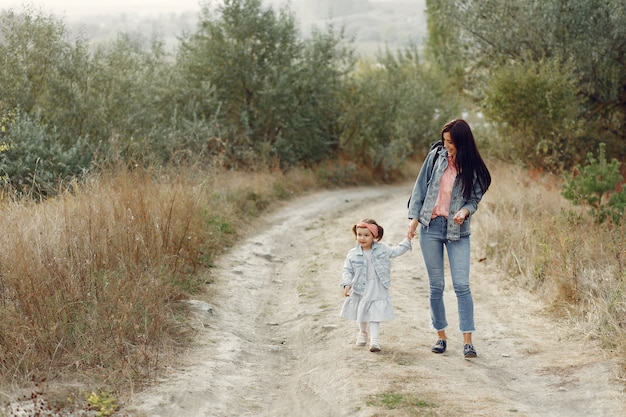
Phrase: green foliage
x=536 y=107
x=244 y=91
x=399 y=401
x=35 y=162
x=117 y=102
x=596 y=185
x=7 y=117
x=277 y=94
x=393 y=108
x=143 y=111
x=104 y=404
x=443 y=49
x=36 y=46
x=582 y=38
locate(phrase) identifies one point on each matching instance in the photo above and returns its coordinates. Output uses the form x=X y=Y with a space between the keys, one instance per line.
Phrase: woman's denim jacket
x=354 y=272
x=425 y=193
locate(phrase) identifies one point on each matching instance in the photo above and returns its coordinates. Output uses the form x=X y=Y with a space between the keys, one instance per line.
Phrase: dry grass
x=90 y=282
x=547 y=245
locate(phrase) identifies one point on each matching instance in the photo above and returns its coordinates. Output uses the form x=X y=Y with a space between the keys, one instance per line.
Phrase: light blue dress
x=375 y=302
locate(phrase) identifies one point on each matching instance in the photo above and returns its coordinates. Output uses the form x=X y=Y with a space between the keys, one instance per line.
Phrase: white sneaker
x=374 y=346
x=361 y=339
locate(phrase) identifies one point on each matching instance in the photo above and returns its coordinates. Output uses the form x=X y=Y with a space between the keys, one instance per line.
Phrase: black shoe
x=439 y=346
x=469 y=351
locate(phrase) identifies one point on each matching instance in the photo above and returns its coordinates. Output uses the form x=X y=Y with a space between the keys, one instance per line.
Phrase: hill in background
x=372 y=24
x=394 y=23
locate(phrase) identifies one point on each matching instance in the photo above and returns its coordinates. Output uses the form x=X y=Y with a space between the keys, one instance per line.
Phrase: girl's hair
x=468 y=160
x=370 y=221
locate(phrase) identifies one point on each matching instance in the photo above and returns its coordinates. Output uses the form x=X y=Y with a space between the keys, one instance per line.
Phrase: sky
x=74 y=9
x=77 y=8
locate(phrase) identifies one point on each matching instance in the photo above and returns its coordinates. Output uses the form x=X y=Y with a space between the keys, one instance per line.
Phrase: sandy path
x=275 y=345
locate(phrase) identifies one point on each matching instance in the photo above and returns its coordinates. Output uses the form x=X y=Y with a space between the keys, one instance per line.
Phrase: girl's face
x=364 y=237
x=448 y=143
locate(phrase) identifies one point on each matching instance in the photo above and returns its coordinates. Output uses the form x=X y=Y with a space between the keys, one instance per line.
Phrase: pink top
x=442 y=205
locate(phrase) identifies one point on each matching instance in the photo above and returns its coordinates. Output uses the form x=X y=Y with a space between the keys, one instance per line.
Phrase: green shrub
x=596 y=185
x=34 y=162
x=393 y=108
x=278 y=95
x=535 y=108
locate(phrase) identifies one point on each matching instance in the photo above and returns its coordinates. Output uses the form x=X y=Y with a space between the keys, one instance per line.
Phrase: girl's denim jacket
x=425 y=192
x=354 y=272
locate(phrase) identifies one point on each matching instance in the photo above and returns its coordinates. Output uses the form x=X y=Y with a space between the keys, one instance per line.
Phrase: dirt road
x=275 y=346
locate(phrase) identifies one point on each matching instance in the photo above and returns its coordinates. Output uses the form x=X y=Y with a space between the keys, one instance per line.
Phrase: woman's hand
x=346 y=291
x=412 y=229
x=461 y=215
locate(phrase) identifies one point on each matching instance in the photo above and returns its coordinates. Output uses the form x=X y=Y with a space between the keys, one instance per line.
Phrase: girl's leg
x=374 y=335
x=374 y=331
x=459 y=256
x=431 y=241
x=363 y=327
x=361 y=339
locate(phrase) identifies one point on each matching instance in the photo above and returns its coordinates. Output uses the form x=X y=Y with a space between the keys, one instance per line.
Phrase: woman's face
x=448 y=143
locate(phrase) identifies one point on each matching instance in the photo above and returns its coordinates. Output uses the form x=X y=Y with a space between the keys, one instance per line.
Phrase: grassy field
x=92 y=282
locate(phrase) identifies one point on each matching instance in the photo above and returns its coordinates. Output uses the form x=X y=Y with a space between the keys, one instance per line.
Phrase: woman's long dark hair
x=469 y=163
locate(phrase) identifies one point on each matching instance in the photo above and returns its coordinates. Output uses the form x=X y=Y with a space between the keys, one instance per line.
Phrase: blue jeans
x=432 y=240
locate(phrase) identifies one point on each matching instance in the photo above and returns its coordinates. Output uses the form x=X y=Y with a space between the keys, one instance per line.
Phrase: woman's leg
x=431 y=241
x=459 y=256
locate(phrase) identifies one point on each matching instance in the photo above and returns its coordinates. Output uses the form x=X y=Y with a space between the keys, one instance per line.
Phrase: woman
x=447 y=191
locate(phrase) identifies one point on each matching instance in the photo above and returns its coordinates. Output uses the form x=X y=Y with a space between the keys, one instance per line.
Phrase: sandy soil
x=274 y=344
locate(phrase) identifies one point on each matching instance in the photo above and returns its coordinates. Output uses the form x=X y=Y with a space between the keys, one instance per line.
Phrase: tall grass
x=543 y=243
x=89 y=281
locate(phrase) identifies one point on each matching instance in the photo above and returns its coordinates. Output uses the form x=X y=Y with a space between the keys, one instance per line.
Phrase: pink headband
x=372 y=227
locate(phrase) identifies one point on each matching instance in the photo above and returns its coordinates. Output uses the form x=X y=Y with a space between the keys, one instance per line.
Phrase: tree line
x=550 y=75
x=246 y=90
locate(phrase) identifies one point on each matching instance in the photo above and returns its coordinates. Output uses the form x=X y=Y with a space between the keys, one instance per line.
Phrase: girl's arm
x=401 y=249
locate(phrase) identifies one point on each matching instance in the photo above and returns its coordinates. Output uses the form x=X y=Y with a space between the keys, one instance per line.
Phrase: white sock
x=374 y=331
x=363 y=327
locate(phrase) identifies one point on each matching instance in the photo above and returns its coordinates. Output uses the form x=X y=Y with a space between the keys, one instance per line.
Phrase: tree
x=42 y=143
x=277 y=94
x=393 y=109
x=596 y=185
x=584 y=36
x=443 y=46
x=535 y=106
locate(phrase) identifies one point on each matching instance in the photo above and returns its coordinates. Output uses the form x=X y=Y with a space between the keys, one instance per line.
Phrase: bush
x=278 y=95
x=535 y=107
x=597 y=185
x=34 y=162
x=393 y=109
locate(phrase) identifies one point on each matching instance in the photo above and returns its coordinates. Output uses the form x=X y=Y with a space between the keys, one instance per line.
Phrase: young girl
x=366 y=279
